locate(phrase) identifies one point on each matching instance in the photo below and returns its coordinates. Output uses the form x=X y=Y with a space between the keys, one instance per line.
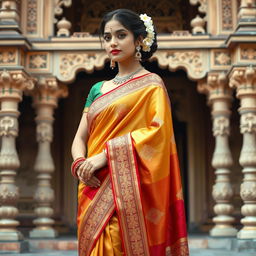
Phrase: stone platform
x=199 y=246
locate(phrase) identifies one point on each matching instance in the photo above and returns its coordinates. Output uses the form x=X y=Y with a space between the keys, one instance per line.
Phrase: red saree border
x=124 y=89
x=126 y=190
x=96 y=218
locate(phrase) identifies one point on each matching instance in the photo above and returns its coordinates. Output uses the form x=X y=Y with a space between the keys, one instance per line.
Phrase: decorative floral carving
x=8 y=127
x=222 y=191
x=202 y=5
x=222 y=58
x=38 y=61
x=9 y=193
x=167 y=14
x=248 y=54
x=71 y=62
x=227 y=16
x=58 y=4
x=32 y=17
x=7 y=56
x=192 y=61
x=221 y=126
x=44 y=195
x=248 y=123
x=248 y=191
x=44 y=132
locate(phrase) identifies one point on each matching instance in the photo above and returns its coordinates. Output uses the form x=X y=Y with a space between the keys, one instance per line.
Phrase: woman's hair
x=131 y=21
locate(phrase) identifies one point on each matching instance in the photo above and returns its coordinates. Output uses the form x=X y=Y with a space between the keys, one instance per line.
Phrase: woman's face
x=118 y=41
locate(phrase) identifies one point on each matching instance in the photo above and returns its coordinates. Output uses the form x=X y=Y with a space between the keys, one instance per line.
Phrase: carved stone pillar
x=244 y=80
x=9 y=13
x=12 y=85
x=247 y=15
x=45 y=98
x=219 y=98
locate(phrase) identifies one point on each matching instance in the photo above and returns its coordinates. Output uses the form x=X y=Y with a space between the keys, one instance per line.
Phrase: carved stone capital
x=244 y=80
x=12 y=83
x=48 y=90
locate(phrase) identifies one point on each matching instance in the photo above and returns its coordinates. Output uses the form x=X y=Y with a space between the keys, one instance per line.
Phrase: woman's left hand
x=92 y=164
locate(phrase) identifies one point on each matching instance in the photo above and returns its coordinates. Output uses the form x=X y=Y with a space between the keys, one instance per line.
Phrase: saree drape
x=139 y=208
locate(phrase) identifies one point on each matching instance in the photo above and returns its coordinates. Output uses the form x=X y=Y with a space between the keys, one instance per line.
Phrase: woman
x=130 y=195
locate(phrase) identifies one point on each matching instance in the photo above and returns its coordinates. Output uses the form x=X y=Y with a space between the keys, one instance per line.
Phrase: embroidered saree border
x=97 y=216
x=127 y=196
x=128 y=87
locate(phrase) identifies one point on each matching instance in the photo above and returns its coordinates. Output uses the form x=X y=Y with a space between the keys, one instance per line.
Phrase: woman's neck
x=126 y=68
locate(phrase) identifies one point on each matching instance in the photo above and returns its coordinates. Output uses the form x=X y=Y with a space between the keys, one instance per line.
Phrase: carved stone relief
x=70 y=63
x=227 y=15
x=58 y=5
x=38 y=61
x=32 y=17
x=167 y=14
x=192 y=61
x=8 y=56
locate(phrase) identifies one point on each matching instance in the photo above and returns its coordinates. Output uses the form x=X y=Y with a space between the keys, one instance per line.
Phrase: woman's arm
x=78 y=148
x=87 y=168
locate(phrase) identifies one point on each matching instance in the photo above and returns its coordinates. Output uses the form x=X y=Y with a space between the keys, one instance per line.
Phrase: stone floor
x=193 y=252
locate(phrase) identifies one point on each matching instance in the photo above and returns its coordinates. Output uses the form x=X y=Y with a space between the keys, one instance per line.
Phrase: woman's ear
x=139 y=40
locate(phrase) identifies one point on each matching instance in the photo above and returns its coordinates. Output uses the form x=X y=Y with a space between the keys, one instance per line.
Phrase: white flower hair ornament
x=149 y=39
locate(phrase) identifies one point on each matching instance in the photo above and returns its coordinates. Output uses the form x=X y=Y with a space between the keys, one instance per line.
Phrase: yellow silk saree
x=138 y=209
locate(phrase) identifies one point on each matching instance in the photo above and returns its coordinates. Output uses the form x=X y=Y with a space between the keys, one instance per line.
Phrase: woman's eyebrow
x=117 y=31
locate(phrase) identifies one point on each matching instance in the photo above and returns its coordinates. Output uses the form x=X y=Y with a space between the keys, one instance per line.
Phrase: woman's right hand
x=93 y=181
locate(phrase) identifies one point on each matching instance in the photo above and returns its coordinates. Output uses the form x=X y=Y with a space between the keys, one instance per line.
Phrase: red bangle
x=76 y=164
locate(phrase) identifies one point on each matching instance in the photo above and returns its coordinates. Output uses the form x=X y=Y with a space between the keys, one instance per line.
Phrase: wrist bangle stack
x=76 y=164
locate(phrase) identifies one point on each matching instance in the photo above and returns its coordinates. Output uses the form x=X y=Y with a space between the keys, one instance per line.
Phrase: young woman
x=130 y=195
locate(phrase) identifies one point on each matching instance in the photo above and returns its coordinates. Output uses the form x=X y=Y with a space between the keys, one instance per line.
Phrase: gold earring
x=112 y=64
x=138 y=53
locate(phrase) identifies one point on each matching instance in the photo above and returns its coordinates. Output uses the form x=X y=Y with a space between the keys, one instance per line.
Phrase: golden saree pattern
x=133 y=122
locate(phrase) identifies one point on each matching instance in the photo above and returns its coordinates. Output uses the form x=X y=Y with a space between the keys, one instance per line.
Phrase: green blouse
x=94 y=93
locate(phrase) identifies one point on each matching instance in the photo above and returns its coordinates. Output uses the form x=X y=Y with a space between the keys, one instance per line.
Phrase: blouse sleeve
x=90 y=97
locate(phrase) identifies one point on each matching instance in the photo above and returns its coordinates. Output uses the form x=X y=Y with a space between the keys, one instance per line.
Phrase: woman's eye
x=121 y=36
x=107 y=38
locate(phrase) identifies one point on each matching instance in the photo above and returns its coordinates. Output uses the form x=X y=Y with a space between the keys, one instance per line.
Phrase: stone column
x=45 y=98
x=247 y=16
x=244 y=80
x=9 y=13
x=219 y=98
x=12 y=85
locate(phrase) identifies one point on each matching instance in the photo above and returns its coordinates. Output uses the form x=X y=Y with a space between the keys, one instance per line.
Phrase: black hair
x=131 y=21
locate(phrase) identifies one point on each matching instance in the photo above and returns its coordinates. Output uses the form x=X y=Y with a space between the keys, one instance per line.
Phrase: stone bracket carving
x=70 y=63
x=194 y=62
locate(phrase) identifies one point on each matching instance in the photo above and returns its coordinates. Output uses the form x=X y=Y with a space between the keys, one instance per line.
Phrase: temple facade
x=51 y=55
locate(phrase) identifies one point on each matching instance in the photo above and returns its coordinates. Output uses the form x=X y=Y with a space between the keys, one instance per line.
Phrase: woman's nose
x=113 y=41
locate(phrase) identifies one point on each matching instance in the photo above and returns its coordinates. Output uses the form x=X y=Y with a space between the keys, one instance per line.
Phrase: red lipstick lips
x=115 y=52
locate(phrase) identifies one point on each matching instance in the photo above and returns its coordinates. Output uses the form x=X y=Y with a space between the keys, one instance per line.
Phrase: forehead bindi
x=113 y=26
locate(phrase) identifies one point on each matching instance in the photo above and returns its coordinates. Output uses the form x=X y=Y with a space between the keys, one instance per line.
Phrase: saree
x=139 y=207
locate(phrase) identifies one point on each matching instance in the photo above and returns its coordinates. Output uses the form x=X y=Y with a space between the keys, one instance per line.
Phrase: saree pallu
x=139 y=208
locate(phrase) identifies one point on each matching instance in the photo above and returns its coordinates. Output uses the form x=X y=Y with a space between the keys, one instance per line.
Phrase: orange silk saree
x=139 y=208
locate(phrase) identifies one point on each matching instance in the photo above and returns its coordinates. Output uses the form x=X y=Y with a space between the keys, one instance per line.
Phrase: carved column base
x=10 y=235
x=247 y=233
x=223 y=230
x=43 y=233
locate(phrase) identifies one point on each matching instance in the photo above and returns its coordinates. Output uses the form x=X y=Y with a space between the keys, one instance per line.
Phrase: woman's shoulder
x=96 y=85
x=156 y=79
